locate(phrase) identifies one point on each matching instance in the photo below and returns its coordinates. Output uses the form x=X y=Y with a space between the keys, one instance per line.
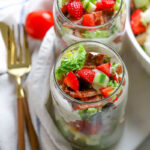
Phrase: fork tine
x=19 y=42
x=13 y=48
x=27 y=54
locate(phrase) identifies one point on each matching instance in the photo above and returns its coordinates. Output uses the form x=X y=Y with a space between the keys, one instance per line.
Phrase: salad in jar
x=99 y=20
x=140 y=23
x=89 y=88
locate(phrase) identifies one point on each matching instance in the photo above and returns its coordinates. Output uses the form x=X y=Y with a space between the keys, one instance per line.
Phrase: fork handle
x=30 y=129
x=21 y=140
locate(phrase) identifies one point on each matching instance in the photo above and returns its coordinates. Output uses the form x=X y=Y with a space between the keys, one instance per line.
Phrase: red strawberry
x=105 y=4
x=75 y=9
x=105 y=68
x=88 y=20
x=72 y=81
x=106 y=91
x=86 y=74
x=136 y=23
x=64 y=9
x=108 y=3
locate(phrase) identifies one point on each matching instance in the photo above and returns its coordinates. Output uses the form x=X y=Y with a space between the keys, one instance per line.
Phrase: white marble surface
x=137 y=126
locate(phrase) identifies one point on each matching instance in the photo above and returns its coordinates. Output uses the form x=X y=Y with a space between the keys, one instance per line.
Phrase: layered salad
x=89 y=98
x=101 y=20
x=140 y=23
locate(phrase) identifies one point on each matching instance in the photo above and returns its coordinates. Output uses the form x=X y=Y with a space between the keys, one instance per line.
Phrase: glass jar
x=111 y=33
x=103 y=128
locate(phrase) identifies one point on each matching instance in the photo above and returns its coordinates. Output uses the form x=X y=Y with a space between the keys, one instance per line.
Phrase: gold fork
x=18 y=66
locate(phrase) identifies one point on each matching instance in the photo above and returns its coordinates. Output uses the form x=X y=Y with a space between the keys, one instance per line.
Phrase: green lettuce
x=74 y=62
x=87 y=113
x=96 y=34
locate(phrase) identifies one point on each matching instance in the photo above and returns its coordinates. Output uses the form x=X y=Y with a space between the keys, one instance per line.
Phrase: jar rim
x=86 y=102
x=87 y=27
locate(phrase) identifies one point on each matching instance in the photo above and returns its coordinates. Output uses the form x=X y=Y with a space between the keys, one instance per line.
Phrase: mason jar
x=111 y=33
x=104 y=128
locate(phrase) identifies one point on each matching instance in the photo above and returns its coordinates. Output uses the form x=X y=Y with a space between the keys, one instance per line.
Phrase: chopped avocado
x=91 y=7
x=61 y=3
x=88 y=6
x=101 y=79
x=117 y=5
x=141 y=3
x=145 y=17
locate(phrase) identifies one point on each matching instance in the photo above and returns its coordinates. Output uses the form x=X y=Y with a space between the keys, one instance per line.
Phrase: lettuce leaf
x=74 y=62
x=87 y=113
x=96 y=34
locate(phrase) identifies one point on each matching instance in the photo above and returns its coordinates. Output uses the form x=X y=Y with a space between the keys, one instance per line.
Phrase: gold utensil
x=18 y=66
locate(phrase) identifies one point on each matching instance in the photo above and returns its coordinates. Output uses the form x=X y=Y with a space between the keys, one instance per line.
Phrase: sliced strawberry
x=87 y=75
x=105 y=4
x=72 y=81
x=105 y=68
x=88 y=20
x=106 y=91
x=75 y=9
x=136 y=23
x=99 y=6
x=108 y=3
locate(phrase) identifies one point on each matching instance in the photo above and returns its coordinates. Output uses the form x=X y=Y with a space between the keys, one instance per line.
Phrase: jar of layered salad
x=98 y=20
x=89 y=89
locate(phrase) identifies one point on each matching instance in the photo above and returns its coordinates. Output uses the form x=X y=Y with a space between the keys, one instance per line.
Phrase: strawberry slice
x=106 y=91
x=88 y=20
x=75 y=9
x=72 y=81
x=87 y=75
x=136 y=23
x=105 y=4
x=105 y=68
x=108 y=3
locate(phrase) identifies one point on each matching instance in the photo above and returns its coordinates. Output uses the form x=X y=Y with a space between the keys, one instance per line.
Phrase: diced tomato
x=105 y=68
x=115 y=99
x=119 y=79
x=72 y=81
x=136 y=23
x=106 y=91
x=88 y=20
x=119 y=69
